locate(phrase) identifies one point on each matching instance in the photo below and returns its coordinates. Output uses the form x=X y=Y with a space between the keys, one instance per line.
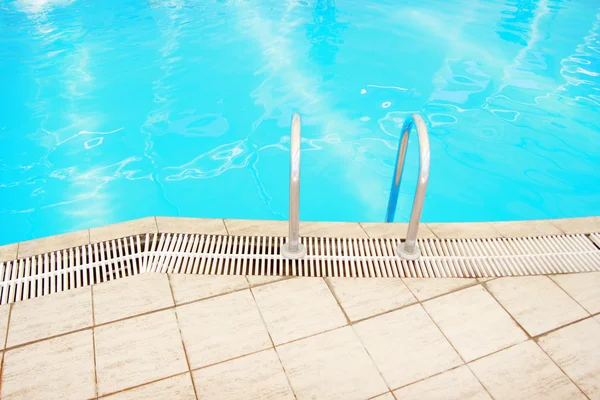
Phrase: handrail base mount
x=405 y=255
x=293 y=255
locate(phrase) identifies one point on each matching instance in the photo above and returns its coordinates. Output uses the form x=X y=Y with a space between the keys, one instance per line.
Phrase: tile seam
x=185 y=354
x=262 y=318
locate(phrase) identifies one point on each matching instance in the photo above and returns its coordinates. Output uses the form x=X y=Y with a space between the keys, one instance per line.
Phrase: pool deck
x=183 y=336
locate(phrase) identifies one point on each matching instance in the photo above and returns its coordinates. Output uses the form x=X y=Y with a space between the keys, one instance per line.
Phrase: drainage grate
x=259 y=255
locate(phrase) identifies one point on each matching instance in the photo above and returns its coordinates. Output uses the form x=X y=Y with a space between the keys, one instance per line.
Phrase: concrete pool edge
x=239 y=227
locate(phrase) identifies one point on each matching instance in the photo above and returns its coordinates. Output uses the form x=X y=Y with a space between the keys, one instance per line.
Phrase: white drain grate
x=259 y=255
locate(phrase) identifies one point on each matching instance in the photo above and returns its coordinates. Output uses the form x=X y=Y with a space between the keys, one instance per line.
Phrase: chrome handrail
x=293 y=248
x=409 y=249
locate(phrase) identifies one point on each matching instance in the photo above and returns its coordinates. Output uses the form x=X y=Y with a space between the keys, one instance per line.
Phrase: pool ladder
x=407 y=250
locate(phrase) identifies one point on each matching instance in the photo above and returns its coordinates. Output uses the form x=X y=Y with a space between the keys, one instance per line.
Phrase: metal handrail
x=409 y=249
x=293 y=248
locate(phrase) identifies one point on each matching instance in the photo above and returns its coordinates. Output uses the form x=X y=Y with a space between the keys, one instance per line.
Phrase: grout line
x=1 y=370
x=262 y=318
x=541 y=335
x=282 y=278
x=534 y=339
x=364 y=230
x=560 y=368
x=456 y=350
x=464 y=362
x=381 y=394
x=489 y=291
x=384 y=312
x=231 y=359
x=556 y=226
x=4 y=347
x=10 y=308
x=143 y=384
x=338 y=302
x=156 y=310
x=371 y=358
x=479 y=380
x=155 y=225
x=185 y=353
x=496 y=230
x=18 y=346
x=185 y=303
x=226 y=228
x=427 y=377
x=431 y=230
x=94 y=341
x=567 y=293
x=311 y=335
x=458 y=289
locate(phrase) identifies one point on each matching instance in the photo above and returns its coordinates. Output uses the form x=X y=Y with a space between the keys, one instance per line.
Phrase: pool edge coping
x=241 y=227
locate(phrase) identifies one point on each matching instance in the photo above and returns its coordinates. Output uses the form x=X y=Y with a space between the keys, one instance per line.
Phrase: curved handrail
x=293 y=248
x=409 y=249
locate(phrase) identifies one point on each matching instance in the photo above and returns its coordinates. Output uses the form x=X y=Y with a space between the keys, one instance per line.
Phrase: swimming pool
x=116 y=110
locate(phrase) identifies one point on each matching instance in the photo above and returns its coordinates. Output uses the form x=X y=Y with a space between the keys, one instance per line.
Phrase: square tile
x=221 y=328
x=427 y=288
x=178 y=387
x=511 y=229
x=203 y=226
x=584 y=288
x=364 y=297
x=59 y=368
x=332 y=229
x=576 y=350
x=257 y=376
x=296 y=308
x=247 y=227
x=536 y=302
x=578 y=225
x=464 y=230
x=406 y=346
x=456 y=384
x=194 y=287
x=51 y=315
x=138 y=350
x=523 y=372
x=394 y=230
x=4 y=311
x=129 y=228
x=474 y=322
x=9 y=252
x=134 y=295
x=332 y=365
x=53 y=243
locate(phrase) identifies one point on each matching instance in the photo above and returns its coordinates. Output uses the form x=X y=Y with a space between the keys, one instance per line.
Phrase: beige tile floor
x=205 y=337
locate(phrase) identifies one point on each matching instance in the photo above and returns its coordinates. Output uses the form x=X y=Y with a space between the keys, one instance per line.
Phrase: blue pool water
x=119 y=109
